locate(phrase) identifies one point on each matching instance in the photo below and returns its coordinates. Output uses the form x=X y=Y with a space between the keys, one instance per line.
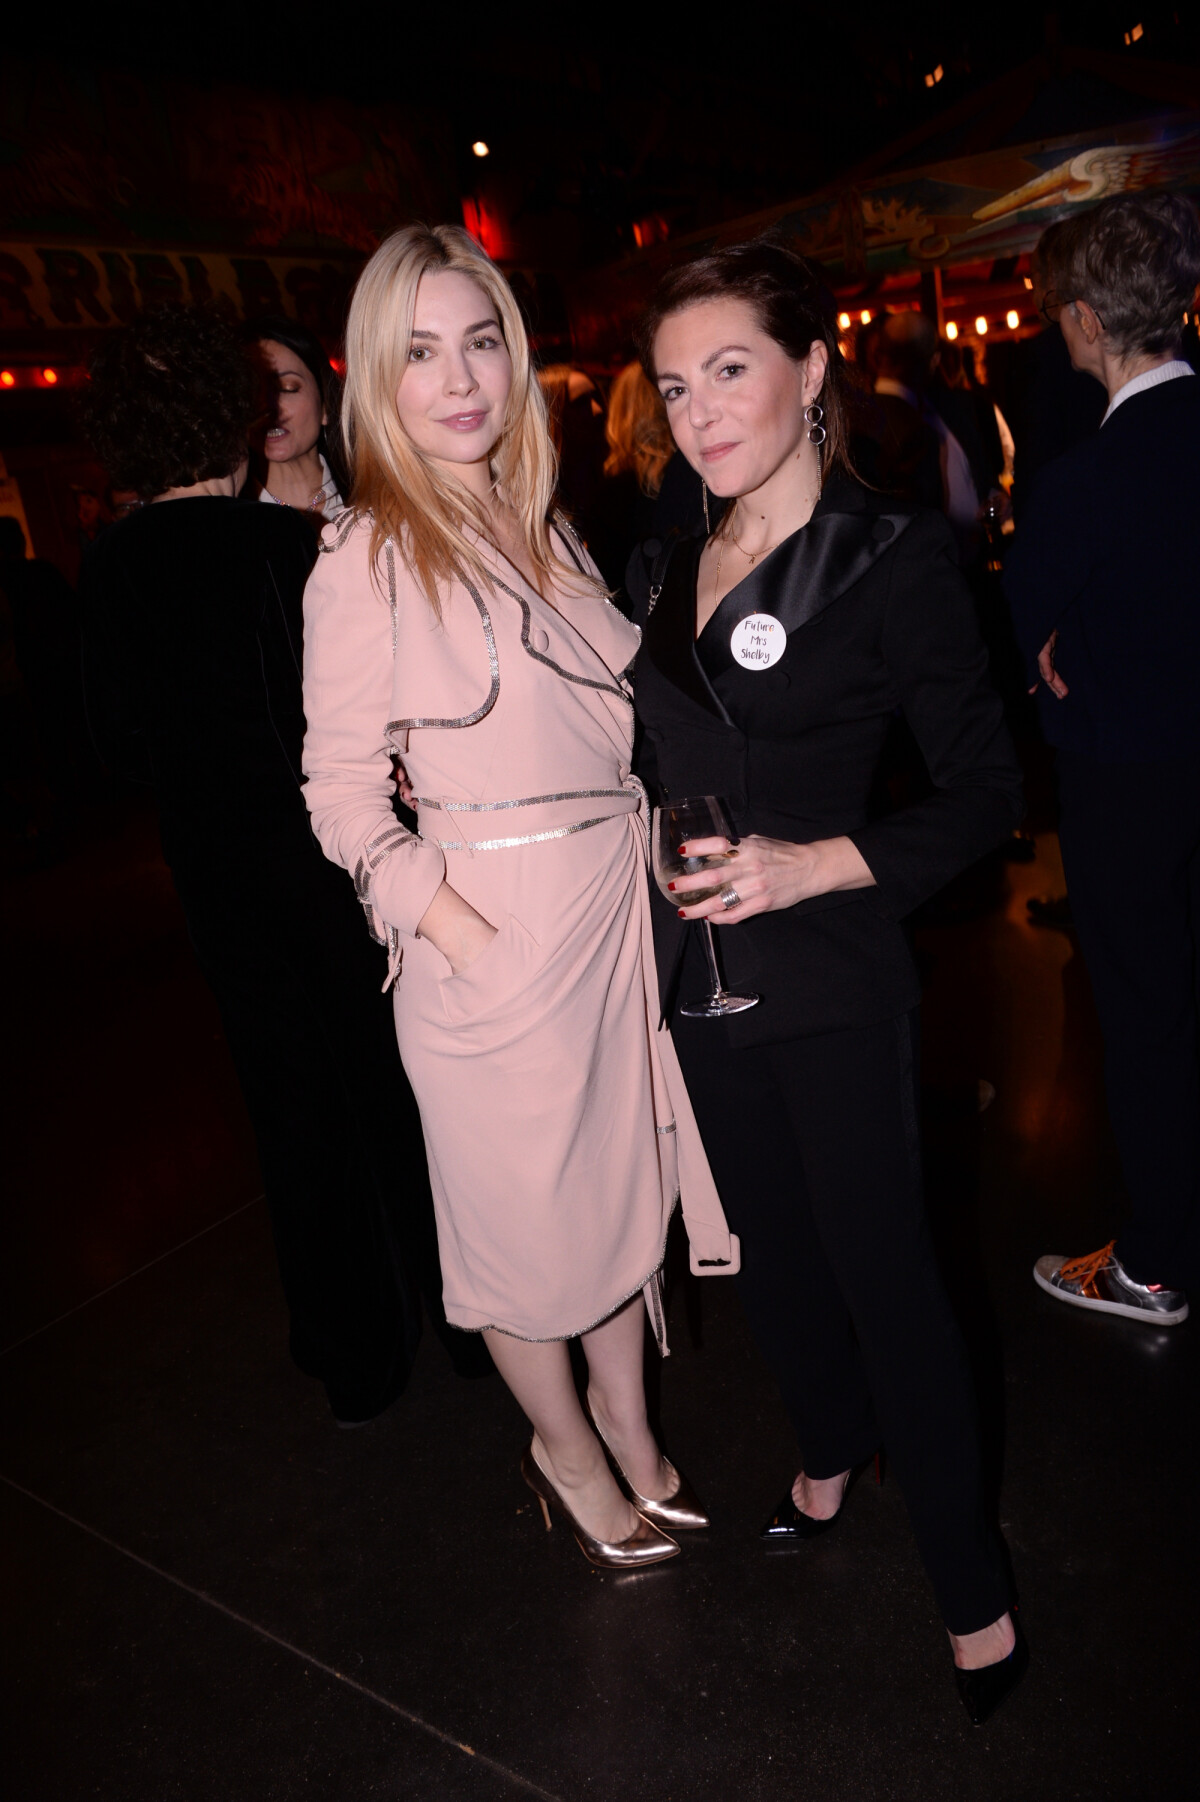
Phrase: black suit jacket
x=1049 y=407
x=878 y=619
x=1107 y=555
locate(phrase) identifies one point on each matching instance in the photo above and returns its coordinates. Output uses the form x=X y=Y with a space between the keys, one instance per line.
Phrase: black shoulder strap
x=661 y=551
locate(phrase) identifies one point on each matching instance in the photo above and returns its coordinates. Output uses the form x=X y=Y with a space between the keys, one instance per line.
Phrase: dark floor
x=211 y=1592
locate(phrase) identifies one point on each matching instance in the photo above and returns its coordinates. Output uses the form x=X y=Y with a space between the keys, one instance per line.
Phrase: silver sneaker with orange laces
x=1101 y=1281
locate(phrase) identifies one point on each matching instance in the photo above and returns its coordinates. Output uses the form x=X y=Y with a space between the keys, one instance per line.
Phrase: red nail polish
x=671 y=886
x=682 y=915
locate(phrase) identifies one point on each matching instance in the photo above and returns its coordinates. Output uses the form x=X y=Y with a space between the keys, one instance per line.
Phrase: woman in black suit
x=818 y=1082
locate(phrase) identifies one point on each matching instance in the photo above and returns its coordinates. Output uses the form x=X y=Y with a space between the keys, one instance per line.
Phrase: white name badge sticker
x=758 y=641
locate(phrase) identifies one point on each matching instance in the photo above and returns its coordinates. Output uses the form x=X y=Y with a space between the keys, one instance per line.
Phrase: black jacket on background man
x=1107 y=555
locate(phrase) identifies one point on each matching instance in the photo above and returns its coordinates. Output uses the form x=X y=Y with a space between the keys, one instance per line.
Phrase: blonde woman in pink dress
x=451 y=623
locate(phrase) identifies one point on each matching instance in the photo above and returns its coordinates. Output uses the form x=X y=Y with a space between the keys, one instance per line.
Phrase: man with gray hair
x=1104 y=584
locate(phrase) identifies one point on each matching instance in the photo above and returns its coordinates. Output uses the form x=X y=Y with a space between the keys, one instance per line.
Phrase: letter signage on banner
x=59 y=287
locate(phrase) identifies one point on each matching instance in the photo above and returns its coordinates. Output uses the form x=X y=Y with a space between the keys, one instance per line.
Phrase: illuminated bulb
x=50 y=376
x=1012 y=319
x=981 y=325
x=864 y=317
x=479 y=148
x=843 y=322
x=7 y=379
x=951 y=331
x=1028 y=280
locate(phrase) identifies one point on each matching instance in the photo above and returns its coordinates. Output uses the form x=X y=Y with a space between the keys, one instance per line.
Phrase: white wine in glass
x=679 y=823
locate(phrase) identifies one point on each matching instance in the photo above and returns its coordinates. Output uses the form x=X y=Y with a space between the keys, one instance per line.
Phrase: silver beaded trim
x=343 y=532
x=389 y=557
x=468 y=719
x=634 y=785
x=608 y=688
x=567 y=794
x=377 y=849
x=566 y=531
x=362 y=888
x=527 y=838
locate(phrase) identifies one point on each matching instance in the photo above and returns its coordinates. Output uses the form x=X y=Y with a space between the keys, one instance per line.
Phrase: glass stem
x=711 y=954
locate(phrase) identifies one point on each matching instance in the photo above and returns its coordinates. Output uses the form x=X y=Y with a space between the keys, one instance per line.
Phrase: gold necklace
x=751 y=556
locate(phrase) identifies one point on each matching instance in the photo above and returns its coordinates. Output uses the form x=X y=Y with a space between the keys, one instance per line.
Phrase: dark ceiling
x=599 y=119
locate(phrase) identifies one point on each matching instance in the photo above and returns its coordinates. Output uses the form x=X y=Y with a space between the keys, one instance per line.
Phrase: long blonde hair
x=639 y=437
x=407 y=498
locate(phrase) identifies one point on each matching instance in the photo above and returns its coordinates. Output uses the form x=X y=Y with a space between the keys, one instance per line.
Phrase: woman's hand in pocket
x=453 y=927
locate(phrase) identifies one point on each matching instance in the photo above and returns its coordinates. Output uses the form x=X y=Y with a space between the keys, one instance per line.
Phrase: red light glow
x=485 y=226
x=7 y=379
x=653 y=229
x=50 y=377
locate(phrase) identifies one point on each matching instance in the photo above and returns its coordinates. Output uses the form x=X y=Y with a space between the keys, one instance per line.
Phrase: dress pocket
x=495 y=979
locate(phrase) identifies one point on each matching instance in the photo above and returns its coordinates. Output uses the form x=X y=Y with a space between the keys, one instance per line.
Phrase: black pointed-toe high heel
x=789 y=1524
x=983 y=1691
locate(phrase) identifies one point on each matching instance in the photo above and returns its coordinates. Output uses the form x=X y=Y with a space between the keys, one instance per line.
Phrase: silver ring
x=730 y=897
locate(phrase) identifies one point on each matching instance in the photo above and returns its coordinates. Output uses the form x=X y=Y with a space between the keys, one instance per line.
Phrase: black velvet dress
x=192 y=665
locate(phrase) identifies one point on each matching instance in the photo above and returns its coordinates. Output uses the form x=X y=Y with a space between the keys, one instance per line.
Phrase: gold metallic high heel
x=681 y=1510
x=645 y=1545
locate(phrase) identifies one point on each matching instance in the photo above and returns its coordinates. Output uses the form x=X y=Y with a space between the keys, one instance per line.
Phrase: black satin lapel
x=670 y=634
x=808 y=572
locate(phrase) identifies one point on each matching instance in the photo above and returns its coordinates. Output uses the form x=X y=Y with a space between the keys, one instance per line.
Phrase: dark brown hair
x=793 y=305
x=1135 y=260
x=308 y=347
x=169 y=400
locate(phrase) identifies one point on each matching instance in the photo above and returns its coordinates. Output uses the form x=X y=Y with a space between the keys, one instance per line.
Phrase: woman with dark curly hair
x=192 y=672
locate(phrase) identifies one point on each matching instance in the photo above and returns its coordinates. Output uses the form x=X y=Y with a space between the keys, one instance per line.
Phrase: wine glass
x=678 y=823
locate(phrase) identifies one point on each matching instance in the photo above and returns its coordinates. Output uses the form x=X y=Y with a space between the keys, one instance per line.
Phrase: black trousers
x=286 y=952
x=1130 y=836
x=814 y=1147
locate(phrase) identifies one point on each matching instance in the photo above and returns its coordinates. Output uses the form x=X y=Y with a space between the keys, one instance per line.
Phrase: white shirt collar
x=1166 y=372
x=326 y=498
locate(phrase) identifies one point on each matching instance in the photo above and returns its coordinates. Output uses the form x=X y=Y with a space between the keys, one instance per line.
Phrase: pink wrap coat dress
x=557 y=1126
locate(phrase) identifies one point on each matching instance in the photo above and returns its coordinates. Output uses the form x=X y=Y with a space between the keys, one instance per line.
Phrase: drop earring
x=704 y=499
x=814 y=414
